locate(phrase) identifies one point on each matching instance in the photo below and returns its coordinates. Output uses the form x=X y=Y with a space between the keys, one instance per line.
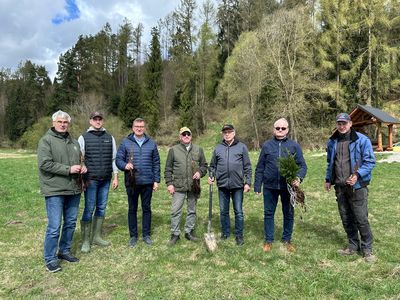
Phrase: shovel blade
x=211 y=242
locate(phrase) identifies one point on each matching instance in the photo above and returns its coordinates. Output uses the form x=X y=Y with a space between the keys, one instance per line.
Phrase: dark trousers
x=270 y=203
x=353 y=210
x=145 y=192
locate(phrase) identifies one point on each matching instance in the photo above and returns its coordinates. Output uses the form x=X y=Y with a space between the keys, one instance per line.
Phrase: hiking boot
x=173 y=240
x=147 y=240
x=289 y=246
x=224 y=237
x=239 y=240
x=267 y=247
x=68 y=257
x=53 y=267
x=346 y=252
x=132 y=242
x=190 y=237
x=369 y=257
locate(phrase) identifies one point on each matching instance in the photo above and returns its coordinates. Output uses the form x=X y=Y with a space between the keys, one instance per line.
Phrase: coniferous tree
x=153 y=78
x=131 y=105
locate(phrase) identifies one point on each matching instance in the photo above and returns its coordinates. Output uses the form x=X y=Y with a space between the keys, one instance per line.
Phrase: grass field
x=188 y=271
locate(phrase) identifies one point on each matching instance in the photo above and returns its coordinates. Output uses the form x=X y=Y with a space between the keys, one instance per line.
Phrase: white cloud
x=28 y=33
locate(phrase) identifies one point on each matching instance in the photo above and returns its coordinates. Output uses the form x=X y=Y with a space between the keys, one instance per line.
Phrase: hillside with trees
x=242 y=61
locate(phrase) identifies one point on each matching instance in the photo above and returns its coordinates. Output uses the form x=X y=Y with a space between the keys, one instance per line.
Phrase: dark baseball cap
x=227 y=127
x=96 y=114
x=343 y=117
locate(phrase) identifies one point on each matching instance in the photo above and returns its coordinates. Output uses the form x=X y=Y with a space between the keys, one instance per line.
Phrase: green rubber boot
x=86 y=227
x=96 y=232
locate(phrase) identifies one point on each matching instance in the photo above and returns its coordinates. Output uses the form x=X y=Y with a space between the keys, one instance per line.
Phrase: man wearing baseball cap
x=350 y=160
x=99 y=150
x=184 y=167
x=231 y=166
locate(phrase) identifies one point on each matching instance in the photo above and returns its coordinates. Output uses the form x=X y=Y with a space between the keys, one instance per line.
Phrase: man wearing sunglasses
x=267 y=174
x=350 y=160
x=184 y=167
x=231 y=166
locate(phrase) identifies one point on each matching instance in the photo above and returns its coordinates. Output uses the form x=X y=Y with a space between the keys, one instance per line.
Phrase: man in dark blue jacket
x=138 y=157
x=350 y=160
x=231 y=166
x=267 y=174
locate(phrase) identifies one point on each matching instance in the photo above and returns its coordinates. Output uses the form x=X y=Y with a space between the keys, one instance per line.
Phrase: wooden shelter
x=364 y=115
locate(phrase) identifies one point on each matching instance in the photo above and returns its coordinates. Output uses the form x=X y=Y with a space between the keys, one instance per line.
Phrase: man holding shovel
x=184 y=167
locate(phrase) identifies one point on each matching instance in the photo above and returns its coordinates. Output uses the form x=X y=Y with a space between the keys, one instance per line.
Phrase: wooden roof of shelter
x=364 y=115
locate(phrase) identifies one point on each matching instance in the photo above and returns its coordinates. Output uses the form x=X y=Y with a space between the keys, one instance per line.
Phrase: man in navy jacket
x=350 y=160
x=138 y=157
x=267 y=174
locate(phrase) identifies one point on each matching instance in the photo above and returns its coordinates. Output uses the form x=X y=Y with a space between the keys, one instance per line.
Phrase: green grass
x=188 y=271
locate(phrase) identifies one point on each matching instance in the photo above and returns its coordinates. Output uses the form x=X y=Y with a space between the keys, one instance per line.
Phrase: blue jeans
x=237 y=201
x=59 y=207
x=145 y=192
x=96 y=197
x=270 y=203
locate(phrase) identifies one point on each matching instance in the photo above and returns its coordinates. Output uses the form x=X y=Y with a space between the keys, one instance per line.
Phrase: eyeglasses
x=280 y=128
x=186 y=134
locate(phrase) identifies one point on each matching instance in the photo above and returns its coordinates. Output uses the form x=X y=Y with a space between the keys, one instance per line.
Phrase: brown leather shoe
x=267 y=247
x=289 y=247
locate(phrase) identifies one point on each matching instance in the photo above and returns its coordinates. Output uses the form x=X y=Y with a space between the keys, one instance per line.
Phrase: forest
x=246 y=62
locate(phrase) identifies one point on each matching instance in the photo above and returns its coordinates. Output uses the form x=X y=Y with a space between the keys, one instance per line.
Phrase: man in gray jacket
x=231 y=166
x=59 y=160
x=184 y=167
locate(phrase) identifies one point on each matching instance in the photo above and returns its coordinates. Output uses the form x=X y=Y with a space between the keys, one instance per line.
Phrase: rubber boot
x=86 y=227
x=96 y=232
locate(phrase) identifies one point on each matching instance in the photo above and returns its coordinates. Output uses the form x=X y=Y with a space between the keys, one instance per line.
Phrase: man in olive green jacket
x=184 y=167
x=59 y=168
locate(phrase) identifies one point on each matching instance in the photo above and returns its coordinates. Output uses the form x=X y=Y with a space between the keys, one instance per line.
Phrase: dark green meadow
x=188 y=271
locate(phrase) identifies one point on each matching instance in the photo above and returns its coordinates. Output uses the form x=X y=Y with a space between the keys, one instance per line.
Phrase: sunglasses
x=280 y=128
x=186 y=134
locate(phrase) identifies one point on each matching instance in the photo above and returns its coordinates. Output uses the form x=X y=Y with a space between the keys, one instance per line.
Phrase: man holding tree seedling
x=60 y=171
x=275 y=185
x=99 y=150
x=184 y=167
x=350 y=160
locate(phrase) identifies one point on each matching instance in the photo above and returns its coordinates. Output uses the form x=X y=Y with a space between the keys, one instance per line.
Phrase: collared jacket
x=56 y=154
x=145 y=159
x=362 y=158
x=267 y=170
x=181 y=164
x=231 y=166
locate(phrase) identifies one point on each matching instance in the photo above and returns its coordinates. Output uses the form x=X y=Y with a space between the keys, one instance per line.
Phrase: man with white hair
x=267 y=174
x=59 y=161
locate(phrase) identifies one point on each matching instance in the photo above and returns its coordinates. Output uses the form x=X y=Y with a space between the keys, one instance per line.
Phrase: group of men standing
x=67 y=167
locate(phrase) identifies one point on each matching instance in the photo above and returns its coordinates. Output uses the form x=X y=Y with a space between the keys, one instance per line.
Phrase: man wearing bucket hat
x=350 y=160
x=231 y=166
x=184 y=167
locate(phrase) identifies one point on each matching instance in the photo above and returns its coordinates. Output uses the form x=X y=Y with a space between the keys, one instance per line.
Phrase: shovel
x=209 y=237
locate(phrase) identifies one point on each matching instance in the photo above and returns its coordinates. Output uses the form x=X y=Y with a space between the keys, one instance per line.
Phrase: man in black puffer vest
x=99 y=150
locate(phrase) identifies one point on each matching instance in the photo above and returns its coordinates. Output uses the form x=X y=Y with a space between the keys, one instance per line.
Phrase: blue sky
x=42 y=30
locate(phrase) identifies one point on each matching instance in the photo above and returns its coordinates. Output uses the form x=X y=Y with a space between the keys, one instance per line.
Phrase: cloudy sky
x=43 y=29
